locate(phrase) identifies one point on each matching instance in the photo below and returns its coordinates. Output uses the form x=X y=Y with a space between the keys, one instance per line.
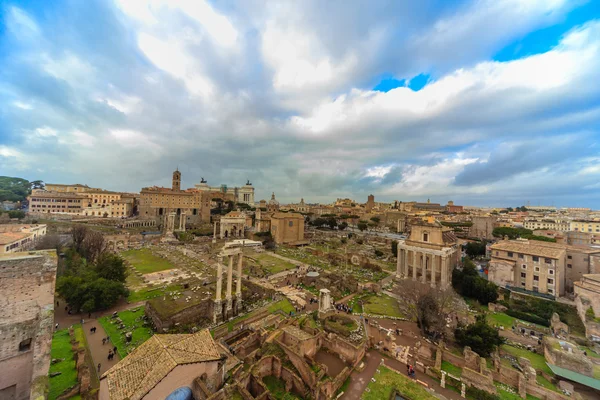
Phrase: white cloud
x=565 y=65
x=23 y=106
x=46 y=132
x=170 y=57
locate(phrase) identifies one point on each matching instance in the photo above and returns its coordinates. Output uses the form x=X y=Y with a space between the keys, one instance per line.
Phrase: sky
x=483 y=102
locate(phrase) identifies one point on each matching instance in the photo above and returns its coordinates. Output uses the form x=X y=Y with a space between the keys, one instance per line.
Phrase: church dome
x=273 y=202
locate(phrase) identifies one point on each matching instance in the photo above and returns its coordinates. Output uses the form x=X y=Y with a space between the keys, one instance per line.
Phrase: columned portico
x=432 y=266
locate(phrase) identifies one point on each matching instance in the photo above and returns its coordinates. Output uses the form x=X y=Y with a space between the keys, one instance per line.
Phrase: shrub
x=481 y=337
x=528 y=317
x=473 y=393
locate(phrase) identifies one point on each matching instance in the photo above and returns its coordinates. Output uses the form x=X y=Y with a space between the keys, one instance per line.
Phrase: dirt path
x=360 y=380
x=98 y=350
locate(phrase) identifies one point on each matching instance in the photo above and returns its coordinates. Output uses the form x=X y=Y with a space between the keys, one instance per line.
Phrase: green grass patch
x=148 y=293
x=381 y=305
x=501 y=319
x=277 y=388
x=133 y=323
x=537 y=360
x=386 y=381
x=506 y=395
x=451 y=369
x=145 y=261
x=61 y=348
x=283 y=305
x=546 y=383
x=272 y=265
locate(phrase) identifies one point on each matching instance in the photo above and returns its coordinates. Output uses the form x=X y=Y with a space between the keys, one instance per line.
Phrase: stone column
x=405 y=263
x=182 y=222
x=399 y=263
x=424 y=277
x=217 y=307
x=214 y=232
x=434 y=260
x=443 y=382
x=444 y=272
x=238 y=288
x=414 y=265
x=229 y=282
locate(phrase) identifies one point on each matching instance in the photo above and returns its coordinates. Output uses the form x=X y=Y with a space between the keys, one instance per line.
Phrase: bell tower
x=176 y=180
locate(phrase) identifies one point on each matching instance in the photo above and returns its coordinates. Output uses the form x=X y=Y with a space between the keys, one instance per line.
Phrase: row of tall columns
x=418 y=260
x=228 y=295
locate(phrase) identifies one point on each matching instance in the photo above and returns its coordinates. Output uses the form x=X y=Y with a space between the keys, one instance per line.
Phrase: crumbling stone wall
x=348 y=352
x=574 y=361
x=480 y=381
x=27 y=284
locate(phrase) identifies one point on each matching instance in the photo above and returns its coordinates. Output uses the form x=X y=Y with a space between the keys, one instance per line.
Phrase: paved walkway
x=360 y=380
x=98 y=350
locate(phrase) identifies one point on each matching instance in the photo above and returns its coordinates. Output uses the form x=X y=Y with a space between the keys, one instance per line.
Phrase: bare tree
x=93 y=245
x=48 y=242
x=79 y=233
x=430 y=307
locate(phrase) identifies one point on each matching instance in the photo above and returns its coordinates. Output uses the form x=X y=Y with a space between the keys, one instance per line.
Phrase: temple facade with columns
x=429 y=254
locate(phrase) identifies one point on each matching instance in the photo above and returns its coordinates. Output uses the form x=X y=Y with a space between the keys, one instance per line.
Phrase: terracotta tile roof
x=134 y=376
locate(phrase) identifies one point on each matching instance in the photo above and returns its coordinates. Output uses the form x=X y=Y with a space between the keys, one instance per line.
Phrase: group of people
x=410 y=370
x=93 y=329
x=111 y=353
x=343 y=307
x=106 y=340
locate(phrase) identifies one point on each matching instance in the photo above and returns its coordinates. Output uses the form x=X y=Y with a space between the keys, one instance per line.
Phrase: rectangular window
x=536 y=278
x=522 y=283
x=548 y=261
x=551 y=281
x=510 y=254
x=523 y=275
x=550 y=291
x=536 y=259
x=569 y=266
x=551 y=271
x=569 y=257
x=521 y=256
x=524 y=266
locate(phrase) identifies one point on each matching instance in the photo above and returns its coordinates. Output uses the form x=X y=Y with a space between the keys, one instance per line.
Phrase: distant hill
x=14 y=189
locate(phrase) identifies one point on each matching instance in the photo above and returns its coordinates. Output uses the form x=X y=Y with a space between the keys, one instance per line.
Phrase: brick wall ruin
x=27 y=282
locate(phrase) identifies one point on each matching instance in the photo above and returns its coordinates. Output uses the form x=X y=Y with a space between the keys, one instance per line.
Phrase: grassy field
x=151 y=292
x=61 y=348
x=451 y=369
x=501 y=319
x=144 y=261
x=381 y=305
x=537 y=360
x=283 y=305
x=133 y=323
x=387 y=380
x=271 y=265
